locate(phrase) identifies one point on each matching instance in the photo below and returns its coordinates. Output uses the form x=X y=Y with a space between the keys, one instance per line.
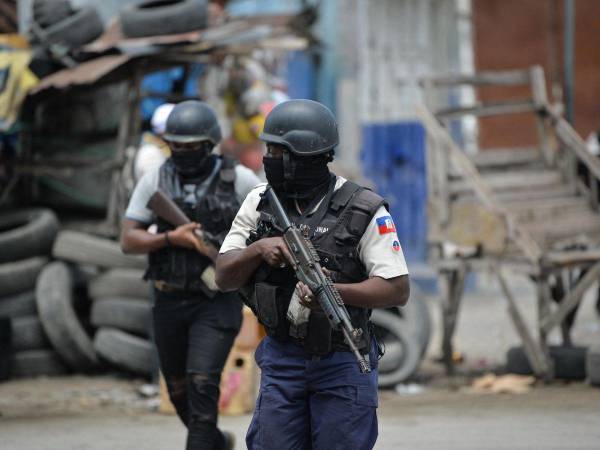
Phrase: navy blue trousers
x=313 y=403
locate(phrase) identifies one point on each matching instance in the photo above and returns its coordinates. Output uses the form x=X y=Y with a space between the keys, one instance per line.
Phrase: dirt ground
x=108 y=412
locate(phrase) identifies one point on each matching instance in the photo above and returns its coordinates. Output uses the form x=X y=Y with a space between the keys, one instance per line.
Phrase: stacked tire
x=120 y=308
x=26 y=239
x=403 y=333
x=122 y=312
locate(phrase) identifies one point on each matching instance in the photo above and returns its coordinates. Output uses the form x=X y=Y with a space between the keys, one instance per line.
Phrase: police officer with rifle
x=312 y=254
x=194 y=325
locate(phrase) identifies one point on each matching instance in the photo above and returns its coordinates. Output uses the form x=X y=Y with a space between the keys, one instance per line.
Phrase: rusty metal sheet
x=85 y=73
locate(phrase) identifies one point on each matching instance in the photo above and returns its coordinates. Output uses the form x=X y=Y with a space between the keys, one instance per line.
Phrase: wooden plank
x=571 y=300
x=566 y=258
x=540 y=100
x=514 y=180
x=585 y=224
x=534 y=194
x=573 y=142
x=548 y=209
x=544 y=300
x=452 y=290
x=499 y=78
x=487 y=109
x=534 y=353
x=460 y=160
x=492 y=158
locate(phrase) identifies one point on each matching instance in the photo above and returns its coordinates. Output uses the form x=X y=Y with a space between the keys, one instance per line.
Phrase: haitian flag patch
x=396 y=246
x=386 y=225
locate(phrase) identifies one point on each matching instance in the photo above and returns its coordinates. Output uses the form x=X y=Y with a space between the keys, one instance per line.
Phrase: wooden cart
x=533 y=211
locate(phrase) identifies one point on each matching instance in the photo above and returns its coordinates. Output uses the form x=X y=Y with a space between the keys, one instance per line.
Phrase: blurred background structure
x=85 y=88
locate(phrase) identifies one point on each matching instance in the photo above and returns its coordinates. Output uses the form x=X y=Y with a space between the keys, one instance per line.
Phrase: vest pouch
x=265 y=295
x=318 y=338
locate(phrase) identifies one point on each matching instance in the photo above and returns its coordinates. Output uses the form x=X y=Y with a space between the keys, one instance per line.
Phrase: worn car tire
x=18 y=305
x=416 y=317
x=82 y=26
x=164 y=17
x=26 y=233
x=28 y=334
x=119 y=283
x=59 y=320
x=125 y=351
x=592 y=365
x=20 y=276
x=403 y=354
x=84 y=248
x=569 y=362
x=127 y=315
x=35 y=363
x=49 y=12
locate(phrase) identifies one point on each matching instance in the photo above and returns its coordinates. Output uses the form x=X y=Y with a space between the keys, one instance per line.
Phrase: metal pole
x=569 y=58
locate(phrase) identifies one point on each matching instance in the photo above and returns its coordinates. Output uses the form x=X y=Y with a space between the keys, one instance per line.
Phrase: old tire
x=84 y=248
x=569 y=362
x=125 y=351
x=28 y=334
x=49 y=12
x=35 y=363
x=82 y=26
x=120 y=282
x=59 y=320
x=417 y=317
x=403 y=354
x=164 y=17
x=19 y=276
x=127 y=315
x=18 y=305
x=592 y=365
x=26 y=233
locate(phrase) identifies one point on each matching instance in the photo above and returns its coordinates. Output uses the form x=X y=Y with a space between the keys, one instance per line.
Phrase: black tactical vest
x=342 y=219
x=212 y=202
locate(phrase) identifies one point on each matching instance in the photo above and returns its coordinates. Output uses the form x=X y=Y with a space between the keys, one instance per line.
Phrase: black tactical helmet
x=305 y=127
x=192 y=121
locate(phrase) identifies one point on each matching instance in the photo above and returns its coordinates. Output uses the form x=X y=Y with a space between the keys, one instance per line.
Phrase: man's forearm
x=234 y=268
x=376 y=292
x=140 y=241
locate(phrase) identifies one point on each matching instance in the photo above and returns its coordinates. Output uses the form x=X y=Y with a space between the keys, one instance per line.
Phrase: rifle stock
x=167 y=209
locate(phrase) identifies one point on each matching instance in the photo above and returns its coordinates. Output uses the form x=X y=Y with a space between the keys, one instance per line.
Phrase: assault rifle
x=309 y=271
x=167 y=209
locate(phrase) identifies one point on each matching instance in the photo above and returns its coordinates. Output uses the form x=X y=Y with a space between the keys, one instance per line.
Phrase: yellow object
x=165 y=406
x=15 y=82
x=246 y=131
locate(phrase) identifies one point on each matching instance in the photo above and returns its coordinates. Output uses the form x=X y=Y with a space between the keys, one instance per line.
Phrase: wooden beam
x=505 y=157
x=499 y=78
x=571 y=300
x=462 y=162
x=573 y=142
x=532 y=350
x=487 y=109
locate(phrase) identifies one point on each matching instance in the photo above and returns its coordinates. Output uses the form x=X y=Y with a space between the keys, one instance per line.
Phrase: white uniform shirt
x=379 y=248
x=245 y=180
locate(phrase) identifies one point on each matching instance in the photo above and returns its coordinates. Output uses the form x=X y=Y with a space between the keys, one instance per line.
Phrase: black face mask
x=306 y=176
x=193 y=163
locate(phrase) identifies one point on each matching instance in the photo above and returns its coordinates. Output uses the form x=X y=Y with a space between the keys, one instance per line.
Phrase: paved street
x=80 y=413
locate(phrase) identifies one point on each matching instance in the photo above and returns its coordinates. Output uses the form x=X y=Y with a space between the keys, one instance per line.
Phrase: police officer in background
x=194 y=327
x=312 y=393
